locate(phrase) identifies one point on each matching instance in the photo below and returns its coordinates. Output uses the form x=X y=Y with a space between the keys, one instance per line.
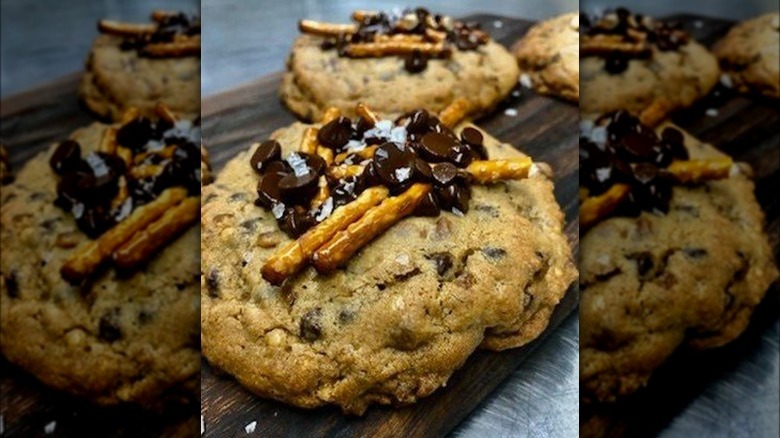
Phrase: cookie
x=549 y=57
x=118 y=336
x=400 y=315
x=142 y=67
x=750 y=55
x=680 y=266
x=645 y=66
x=323 y=72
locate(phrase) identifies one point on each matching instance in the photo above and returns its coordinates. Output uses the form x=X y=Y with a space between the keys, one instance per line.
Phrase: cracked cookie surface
x=652 y=284
x=549 y=55
x=317 y=79
x=406 y=312
x=116 y=79
x=119 y=338
x=750 y=55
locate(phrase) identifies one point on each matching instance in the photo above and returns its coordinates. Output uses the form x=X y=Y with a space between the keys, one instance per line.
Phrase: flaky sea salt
x=278 y=210
x=99 y=167
x=325 y=210
x=712 y=112
x=725 y=80
x=403 y=173
x=298 y=164
x=511 y=112
x=250 y=428
x=598 y=135
x=498 y=24
x=525 y=81
x=49 y=428
x=202 y=426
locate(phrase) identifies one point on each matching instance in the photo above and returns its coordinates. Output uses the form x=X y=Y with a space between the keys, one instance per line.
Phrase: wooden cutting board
x=545 y=128
x=745 y=127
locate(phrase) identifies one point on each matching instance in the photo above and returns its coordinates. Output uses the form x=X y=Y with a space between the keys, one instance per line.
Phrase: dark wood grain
x=545 y=128
x=29 y=123
x=746 y=128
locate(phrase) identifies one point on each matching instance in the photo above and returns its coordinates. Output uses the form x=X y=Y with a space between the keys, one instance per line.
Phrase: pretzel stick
x=347 y=242
x=376 y=50
x=161 y=17
x=145 y=171
x=606 y=44
x=343 y=171
x=121 y=194
x=435 y=35
x=701 y=170
x=187 y=47
x=129 y=115
x=325 y=29
x=365 y=153
x=454 y=113
x=292 y=257
x=126 y=155
x=362 y=15
x=309 y=141
x=117 y=28
x=656 y=111
x=165 y=113
x=145 y=242
x=595 y=208
x=322 y=194
x=326 y=154
x=491 y=171
x=366 y=114
x=108 y=141
x=331 y=113
x=400 y=37
x=90 y=255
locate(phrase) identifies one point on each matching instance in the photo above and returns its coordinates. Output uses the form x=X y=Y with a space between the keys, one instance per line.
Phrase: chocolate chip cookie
x=681 y=262
x=397 y=62
x=549 y=56
x=113 y=335
x=645 y=66
x=474 y=265
x=137 y=65
x=750 y=55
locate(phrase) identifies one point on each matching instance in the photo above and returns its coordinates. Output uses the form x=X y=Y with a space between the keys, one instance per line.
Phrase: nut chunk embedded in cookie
x=377 y=256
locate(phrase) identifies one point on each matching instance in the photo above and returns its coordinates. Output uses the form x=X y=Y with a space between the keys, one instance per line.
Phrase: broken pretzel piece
x=291 y=258
x=165 y=113
x=603 y=44
x=343 y=171
x=692 y=171
x=347 y=242
x=93 y=253
x=595 y=208
x=108 y=142
x=454 y=113
x=183 y=47
x=365 y=153
x=118 y=28
x=145 y=242
x=366 y=114
x=492 y=171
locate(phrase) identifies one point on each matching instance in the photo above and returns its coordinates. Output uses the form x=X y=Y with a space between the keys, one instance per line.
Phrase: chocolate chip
x=311 y=325
x=428 y=206
x=454 y=197
x=268 y=193
x=473 y=138
x=644 y=262
x=418 y=122
x=394 y=164
x=442 y=260
x=416 y=62
x=212 y=283
x=135 y=133
x=436 y=146
x=493 y=252
x=109 y=329
x=336 y=133
x=66 y=157
x=250 y=224
x=267 y=152
x=347 y=316
x=295 y=221
x=615 y=64
x=444 y=174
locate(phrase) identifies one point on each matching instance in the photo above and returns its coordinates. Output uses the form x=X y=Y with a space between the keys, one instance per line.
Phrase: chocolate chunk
x=268 y=193
x=296 y=189
x=493 y=252
x=442 y=260
x=418 y=122
x=454 y=197
x=95 y=221
x=473 y=138
x=296 y=221
x=428 y=206
x=422 y=171
x=212 y=283
x=416 y=62
x=135 y=133
x=437 y=147
x=394 y=164
x=11 y=285
x=66 y=157
x=109 y=329
x=311 y=325
x=267 y=152
x=336 y=133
